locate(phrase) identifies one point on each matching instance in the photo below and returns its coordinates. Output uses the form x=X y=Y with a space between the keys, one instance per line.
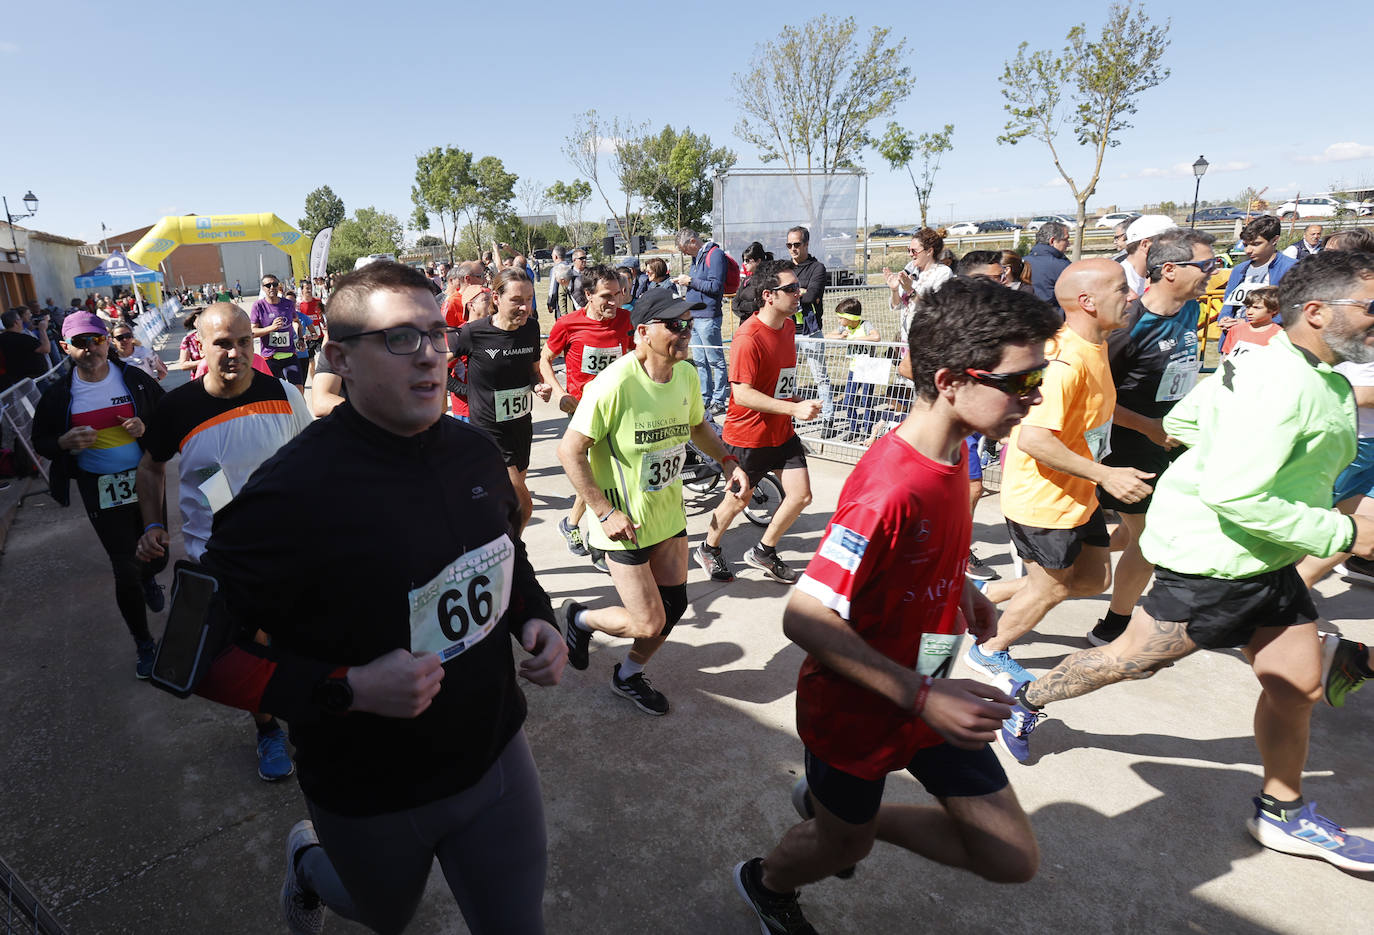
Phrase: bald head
x=1093 y=295
x=220 y=314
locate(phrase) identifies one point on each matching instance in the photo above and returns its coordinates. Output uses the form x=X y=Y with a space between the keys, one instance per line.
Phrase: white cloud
x=1183 y=170
x=9 y=48
x=1340 y=152
x=1056 y=182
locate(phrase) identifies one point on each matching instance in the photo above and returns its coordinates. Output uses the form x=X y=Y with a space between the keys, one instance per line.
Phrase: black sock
x=1021 y=699
x=1113 y=619
x=713 y=549
x=764 y=549
x=1278 y=809
x=266 y=727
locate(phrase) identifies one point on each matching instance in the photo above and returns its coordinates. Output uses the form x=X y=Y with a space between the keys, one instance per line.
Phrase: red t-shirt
x=589 y=346
x=309 y=309
x=767 y=361
x=453 y=310
x=891 y=563
x=1244 y=337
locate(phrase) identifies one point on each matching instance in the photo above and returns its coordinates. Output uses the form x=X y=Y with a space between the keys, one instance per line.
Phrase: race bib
x=513 y=404
x=1178 y=378
x=462 y=604
x=597 y=359
x=659 y=469
x=787 y=383
x=280 y=340
x=1242 y=292
x=874 y=370
x=1099 y=441
x=116 y=489
x=937 y=654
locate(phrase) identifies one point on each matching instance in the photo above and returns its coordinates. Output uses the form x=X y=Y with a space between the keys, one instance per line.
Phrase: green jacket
x=1266 y=437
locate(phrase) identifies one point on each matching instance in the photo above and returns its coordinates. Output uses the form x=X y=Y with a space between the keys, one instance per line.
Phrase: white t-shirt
x=1361 y=375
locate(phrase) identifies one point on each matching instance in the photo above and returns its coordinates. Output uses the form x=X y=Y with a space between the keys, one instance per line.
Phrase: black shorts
x=289 y=369
x=946 y=772
x=758 y=462
x=637 y=556
x=1058 y=548
x=1226 y=612
x=514 y=438
x=1145 y=456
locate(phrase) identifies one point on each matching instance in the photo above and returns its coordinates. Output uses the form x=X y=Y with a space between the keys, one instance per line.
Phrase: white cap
x=1148 y=225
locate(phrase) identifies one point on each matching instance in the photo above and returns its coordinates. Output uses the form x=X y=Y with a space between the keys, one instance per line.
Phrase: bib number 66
x=474 y=608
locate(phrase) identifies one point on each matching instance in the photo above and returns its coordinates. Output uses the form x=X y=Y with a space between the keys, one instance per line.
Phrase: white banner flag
x=319 y=253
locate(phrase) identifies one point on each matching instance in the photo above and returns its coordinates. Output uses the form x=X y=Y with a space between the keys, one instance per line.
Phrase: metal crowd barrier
x=20 y=910
x=17 y=406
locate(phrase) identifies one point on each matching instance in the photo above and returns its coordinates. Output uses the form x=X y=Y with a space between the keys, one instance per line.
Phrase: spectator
x=561 y=291
x=747 y=300
x=984 y=263
x=1264 y=266
x=1310 y=245
x=22 y=354
x=1139 y=235
x=858 y=394
x=657 y=271
x=558 y=256
x=1018 y=274
x=124 y=347
x=1047 y=260
x=191 y=353
x=579 y=291
x=811 y=278
x=919 y=278
x=639 y=282
x=705 y=284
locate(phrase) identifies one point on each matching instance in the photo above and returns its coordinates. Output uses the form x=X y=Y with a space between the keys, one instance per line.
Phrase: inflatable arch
x=171 y=232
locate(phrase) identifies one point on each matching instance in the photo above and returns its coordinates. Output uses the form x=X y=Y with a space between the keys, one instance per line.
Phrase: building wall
x=54 y=265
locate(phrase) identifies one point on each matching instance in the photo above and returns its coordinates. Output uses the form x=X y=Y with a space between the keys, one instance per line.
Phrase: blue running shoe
x=1307 y=834
x=1016 y=730
x=147 y=655
x=996 y=664
x=274 y=763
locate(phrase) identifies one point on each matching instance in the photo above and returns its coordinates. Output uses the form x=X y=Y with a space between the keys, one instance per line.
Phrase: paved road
x=131 y=812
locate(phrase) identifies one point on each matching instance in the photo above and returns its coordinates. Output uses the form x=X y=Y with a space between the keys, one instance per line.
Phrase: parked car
x=1314 y=206
x=1108 y=221
x=1035 y=223
x=962 y=229
x=995 y=226
x=878 y=232
x=1218 y=213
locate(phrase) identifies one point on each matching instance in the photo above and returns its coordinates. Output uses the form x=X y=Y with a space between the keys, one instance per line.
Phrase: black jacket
x=53 y=418
x=811 y=278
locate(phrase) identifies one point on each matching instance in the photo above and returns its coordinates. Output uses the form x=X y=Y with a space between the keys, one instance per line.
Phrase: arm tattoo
x=1163 y=644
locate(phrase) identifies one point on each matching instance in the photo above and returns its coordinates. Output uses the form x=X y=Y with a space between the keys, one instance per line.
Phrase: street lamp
x=30 y=202
x=1199 y=170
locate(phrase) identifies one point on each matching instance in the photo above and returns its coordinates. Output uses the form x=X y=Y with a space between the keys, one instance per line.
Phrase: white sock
x=629 y=668
x=580 y=620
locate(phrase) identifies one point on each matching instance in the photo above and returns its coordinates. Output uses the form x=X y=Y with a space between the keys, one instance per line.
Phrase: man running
x=390 y=651
x=223 y=425
x=589 y=340
x=1053 y=468
x=91 y=425
x=880 y=611
x=1154 y=361
x=276 y=324
x=623 y=453
x=758 y=423
x=1229 y=520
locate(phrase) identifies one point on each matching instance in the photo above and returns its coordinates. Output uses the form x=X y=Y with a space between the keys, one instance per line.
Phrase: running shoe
x=599 y=560
x=713 y=563
x=1105 y=632
x=1016 y=730
x=1357 y=569
x=994 y=664
x=1307 y=834
x=801 y=801
x=147 y=653
x=303 y=910
x=578 y=639
x=274 y=763
x=778 y=914
x=572 y=536
x=770 y=565
x=637 y=689
x=154 y=596
x=1341 y=673
x=979 y=570
x=719 y=409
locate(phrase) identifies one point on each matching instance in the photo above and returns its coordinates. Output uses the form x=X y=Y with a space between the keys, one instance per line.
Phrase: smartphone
x=182 y=653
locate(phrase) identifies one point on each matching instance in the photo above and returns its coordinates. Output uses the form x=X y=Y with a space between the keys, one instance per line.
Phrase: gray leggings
x=490 y=843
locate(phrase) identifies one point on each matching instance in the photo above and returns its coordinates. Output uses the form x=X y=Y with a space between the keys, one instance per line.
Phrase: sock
x=1279 y=809
x=1113 y=619
x=629 y=668
x=267 y=727
x=713 y=549
x=580 y=620
x=765 y=550
x=1021 y=699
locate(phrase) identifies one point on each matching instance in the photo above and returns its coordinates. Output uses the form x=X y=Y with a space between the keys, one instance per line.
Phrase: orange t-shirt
x=1079 y=398
x=1244 y=337
x=766 y=359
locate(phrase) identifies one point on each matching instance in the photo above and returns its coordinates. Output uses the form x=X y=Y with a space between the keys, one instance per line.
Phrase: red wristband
x=922 y=693
x=728 y=458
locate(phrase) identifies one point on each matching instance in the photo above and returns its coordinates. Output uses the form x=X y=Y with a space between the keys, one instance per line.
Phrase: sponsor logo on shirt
x=652 y=436
x=1167 y=344
x=844 y=547
x=116 y=400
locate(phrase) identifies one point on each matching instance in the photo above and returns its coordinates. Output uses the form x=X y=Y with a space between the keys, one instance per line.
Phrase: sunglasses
x=1020 y=384
x=794 y=246
x=83 y=341
x=271 y=285
x=407 y=339
x=790 y=287
x=1358 y=303
x=676 y=325
x=123 y=337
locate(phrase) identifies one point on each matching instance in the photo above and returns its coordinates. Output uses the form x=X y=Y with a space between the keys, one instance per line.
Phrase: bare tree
x=900 y=148
x=620 y=142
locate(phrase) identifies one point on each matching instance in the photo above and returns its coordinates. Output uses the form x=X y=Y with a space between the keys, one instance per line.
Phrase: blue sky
x=134 y=111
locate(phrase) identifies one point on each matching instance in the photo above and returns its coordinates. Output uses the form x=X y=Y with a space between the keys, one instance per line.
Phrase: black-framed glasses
x=794 y=246
x=1020 y=384
x=123 y=337
x=405 y=339
x=271 y=285
x=792 y=287
x=676 y=325
x=83 y=341
x=1367 y=306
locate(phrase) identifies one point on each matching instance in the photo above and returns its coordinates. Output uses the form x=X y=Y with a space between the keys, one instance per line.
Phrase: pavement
x=128 y=811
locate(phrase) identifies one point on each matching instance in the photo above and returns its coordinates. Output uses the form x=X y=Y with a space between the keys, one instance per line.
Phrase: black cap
x=658 y=305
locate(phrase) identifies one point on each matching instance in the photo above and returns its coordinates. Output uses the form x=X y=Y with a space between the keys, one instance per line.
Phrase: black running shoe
x=637 y=689
x=154 y=596
x=771 y=565
x=578 y=639
x=778 y=914
x=979 y=570
x=713 y=563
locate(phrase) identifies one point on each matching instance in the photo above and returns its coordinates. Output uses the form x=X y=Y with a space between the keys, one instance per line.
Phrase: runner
x=589 y=340
x=1050 y=478
x=1154 y=361
x=758 y=423
x=393 y=665
x=879 y=612
x=90 y=424
x=275 y=324
x=312 y=318
x=1229 y=520
x=223 y=425
x=623 y=454
x=502 y=369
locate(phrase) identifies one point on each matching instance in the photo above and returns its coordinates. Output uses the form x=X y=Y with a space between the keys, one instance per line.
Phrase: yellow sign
x=172 y=232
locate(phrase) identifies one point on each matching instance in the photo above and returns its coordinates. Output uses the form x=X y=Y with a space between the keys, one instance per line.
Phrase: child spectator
x=1258 y=327
x=858 y=393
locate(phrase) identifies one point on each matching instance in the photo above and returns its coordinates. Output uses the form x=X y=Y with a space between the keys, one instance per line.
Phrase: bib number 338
x=462 y=604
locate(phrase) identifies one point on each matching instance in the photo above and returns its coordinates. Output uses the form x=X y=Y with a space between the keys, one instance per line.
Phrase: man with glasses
x=579 y=288
x=705 y=288
x=224 y=426
x=1054 y=467
x=624 y=453
x=276 y=324
x=1047 y=260
x=1228 y=523
x=91 y=424
x=1139 y=234
x=811 y=277
x=1154 y=361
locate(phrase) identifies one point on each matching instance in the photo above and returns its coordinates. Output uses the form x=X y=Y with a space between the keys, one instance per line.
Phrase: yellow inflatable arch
x=171 y=232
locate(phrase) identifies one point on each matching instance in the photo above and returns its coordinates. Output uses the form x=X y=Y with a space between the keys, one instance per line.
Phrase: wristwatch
x=333 y=693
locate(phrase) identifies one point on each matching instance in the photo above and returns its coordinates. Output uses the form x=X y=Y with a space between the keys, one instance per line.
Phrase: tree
x=429 y=240
x=673 y=172
x=899 y=148
x=494 y=188
x=368 y=231
x=323 y=209
x=570 y=198
x=444 y=186
x=621 y=143
x=1092 y=85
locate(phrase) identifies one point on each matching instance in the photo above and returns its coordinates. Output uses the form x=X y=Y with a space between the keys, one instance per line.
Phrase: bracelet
x=602 y=519
x=728 y=458
x=1354 y=534
x=155 y=526
x=926 y=680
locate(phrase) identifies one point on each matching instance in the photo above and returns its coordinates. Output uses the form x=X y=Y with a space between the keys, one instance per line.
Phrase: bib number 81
x=474 y=609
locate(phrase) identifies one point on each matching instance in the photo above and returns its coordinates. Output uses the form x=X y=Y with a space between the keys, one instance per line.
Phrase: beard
x=1349 y=344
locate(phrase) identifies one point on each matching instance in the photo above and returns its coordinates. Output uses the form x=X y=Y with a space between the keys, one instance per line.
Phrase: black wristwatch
x=333 y=693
